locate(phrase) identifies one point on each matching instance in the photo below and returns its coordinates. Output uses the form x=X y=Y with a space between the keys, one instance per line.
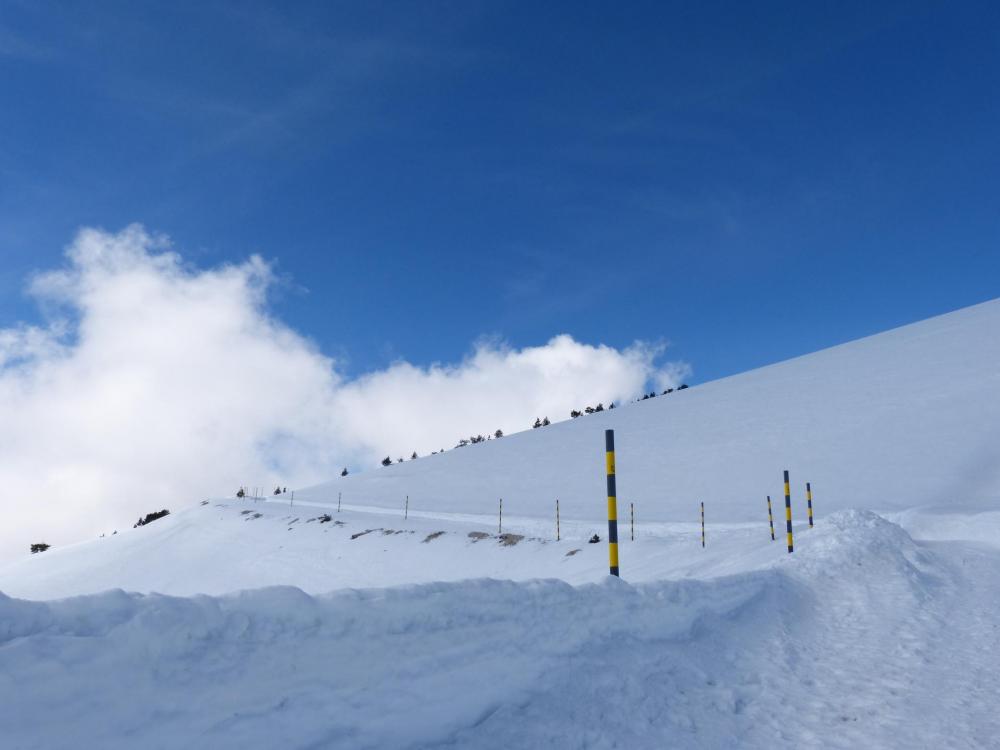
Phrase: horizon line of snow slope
x=864 y=640
x=904 y=419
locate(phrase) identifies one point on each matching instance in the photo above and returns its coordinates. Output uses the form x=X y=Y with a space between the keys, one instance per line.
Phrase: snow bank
x=767 y=658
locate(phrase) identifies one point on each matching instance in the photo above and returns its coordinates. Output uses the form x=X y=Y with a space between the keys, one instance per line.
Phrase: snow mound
x=868 y=551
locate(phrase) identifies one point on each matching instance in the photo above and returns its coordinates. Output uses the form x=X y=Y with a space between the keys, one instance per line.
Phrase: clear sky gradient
x=749 y=181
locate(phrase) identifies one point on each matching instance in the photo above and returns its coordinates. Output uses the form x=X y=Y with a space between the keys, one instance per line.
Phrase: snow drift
x=772 y=657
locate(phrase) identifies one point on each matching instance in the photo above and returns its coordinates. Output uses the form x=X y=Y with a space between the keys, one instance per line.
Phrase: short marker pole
x=703 y=525
x=631 y=513
x=291 y=501
x=406 y=513
x=338 y=502
x=809 y=500
x=557 y=519
x=788 y=513
x=500 y=524
x=770 y=517
x=609 y=457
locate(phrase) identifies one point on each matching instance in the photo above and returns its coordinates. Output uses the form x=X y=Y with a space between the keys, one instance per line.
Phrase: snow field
x=259 y=625
x=851 y=642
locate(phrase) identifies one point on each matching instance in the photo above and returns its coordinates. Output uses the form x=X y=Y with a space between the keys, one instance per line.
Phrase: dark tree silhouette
x=344 y=472
x=386 y=461
x=414 y=456
x=682 y=386
x=150 y=517
x=538 y=423
x=498 y=434
x=599 y=407
x=546 y=422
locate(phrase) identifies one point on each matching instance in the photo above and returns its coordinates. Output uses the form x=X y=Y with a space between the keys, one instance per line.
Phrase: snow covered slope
x=908 y=418
x=879 y=631
x=862 y=639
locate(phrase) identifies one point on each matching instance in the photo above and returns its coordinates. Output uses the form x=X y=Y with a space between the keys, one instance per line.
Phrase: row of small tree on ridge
x=539 y=422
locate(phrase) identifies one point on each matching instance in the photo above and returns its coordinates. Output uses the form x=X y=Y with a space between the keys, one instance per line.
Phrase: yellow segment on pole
x=610 y=459
x=612 y=509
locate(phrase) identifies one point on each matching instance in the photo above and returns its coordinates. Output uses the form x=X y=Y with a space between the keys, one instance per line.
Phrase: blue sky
x=748 y=181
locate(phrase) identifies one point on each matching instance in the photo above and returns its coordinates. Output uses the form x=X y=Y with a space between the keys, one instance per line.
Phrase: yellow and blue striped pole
x=788 y=512
x=809 y=500
x=609 y=454
x=703 y=525
x=770 y=517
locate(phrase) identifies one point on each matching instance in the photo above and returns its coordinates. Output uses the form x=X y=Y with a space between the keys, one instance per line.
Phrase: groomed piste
x=235 y=623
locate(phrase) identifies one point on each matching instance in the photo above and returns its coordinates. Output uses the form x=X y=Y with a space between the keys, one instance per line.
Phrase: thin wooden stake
x=631 y=511
x=338 y=502
x=500 y=524
x=557 y=519
x=406 y=513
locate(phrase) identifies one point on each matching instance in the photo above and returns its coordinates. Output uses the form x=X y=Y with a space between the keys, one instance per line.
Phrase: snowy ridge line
x=906 y=418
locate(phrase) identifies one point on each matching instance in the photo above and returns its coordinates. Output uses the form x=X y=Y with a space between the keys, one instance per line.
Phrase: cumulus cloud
x=156 y=383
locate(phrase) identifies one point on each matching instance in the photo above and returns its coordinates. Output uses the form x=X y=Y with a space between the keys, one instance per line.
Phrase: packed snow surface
x=863 y=638
x=409 y=618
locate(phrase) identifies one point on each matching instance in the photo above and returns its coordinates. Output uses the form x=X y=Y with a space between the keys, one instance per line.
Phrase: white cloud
x=157 y=384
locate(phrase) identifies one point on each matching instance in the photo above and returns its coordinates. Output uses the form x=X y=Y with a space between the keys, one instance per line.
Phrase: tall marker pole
x=338 y=502
x=631 y=513
x=770 y=517
x=703 y=525
x=557 y=519
x=609 y=455
x=809 y=500
x=406 y=513
x=788 y=513
x=500 y=524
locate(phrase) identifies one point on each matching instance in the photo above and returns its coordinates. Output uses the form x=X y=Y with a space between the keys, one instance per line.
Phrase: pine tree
x=414 y=456
x=546 y=422
x=538 y=423
x=387 y=461
x=344 y=472
x=498 y=434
